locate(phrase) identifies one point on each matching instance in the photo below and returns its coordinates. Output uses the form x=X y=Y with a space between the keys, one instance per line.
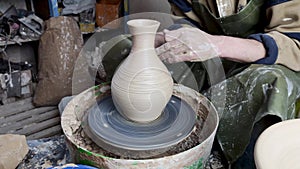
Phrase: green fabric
x=201 y=75
x=254 y=93
x=251 y=93
x=247 y=21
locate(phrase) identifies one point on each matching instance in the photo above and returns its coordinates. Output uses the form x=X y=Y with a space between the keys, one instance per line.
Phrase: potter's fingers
x=165 y=56
x=168 y=46
x=172 y=52
x=183 y=53
x=179 y=56
x=175 y=59
x=160 y=33
x=161 y=49
x=170 y=57
x=159 y=39
x=172 y=35
x=181 y=49
x=182 y=57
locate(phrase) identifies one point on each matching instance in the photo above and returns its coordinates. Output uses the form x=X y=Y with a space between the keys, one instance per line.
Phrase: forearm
x=238 y=49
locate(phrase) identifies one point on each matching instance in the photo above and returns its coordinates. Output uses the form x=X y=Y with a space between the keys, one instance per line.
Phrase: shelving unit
x=17 y=41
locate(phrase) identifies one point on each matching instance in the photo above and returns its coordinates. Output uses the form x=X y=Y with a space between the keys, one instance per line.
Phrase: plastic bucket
x=192 y=158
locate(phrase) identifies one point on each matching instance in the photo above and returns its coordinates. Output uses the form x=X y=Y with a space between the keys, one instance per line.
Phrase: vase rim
x=143 y=22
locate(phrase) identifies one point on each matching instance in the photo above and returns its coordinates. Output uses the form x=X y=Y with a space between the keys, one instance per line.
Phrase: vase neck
x=143 y=41
x=143 y=32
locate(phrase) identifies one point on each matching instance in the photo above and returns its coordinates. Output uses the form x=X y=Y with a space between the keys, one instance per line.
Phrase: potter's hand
x=159 y=39
x=187 y=44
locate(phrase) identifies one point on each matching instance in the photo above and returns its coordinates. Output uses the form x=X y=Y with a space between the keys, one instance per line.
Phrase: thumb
x=171 y=35
x=159 y=39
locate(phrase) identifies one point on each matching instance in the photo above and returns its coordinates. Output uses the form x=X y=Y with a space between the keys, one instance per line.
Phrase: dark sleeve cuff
x=270 y=46
x=180 y=23
x=182 y=5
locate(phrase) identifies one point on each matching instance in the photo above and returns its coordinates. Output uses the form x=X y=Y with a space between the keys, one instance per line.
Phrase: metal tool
x=34 y=23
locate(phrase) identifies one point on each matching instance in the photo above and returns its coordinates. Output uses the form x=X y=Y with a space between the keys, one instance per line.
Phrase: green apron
x=248 y=21
x=257 y=92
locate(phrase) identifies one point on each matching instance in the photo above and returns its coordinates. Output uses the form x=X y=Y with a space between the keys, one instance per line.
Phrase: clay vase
x=142 y=85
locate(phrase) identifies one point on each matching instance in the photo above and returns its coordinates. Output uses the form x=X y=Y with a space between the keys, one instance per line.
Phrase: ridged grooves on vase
x=142 y=85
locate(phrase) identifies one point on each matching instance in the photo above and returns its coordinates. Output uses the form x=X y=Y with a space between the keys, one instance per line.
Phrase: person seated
x=258 y=47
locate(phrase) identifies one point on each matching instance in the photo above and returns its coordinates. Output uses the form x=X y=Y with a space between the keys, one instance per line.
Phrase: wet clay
x=142 y=85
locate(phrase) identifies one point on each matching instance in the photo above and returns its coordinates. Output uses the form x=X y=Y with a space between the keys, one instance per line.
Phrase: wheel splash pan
x=116 y=134
x=84 y=151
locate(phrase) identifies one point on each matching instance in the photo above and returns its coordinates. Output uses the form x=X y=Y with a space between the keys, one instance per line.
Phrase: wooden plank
x=36 y=127
x=52 y=131
x=9 y=127
x=23 y=115
x=16 y=107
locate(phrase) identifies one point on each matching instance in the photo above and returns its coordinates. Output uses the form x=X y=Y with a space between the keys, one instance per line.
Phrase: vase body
x=142 y=85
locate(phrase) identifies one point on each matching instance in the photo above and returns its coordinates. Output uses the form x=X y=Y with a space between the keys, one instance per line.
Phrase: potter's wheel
x=110 y=130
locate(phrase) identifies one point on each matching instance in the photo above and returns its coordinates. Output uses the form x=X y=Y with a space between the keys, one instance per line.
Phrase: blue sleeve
x=183 y=5
x=270 y=46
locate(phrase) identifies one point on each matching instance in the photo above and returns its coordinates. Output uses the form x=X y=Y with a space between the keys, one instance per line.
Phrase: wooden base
x=22 y=117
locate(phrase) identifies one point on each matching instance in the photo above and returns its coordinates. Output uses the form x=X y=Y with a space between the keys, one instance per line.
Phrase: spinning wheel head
x=111 y=131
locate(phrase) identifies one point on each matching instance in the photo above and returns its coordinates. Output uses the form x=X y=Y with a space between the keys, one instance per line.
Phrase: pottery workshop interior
x=149 y=84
